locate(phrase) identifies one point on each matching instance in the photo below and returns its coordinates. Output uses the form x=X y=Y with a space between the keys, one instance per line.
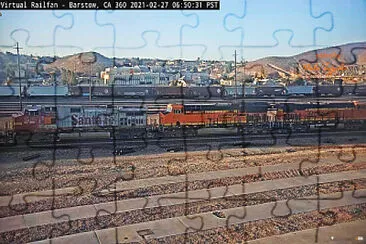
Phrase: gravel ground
x=101 y=172
x=239 y=233
x=98 y=173
x=89 y=197
x=149 y=214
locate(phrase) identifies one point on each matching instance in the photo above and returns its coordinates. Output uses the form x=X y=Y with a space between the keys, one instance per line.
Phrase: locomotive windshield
x=169 y=109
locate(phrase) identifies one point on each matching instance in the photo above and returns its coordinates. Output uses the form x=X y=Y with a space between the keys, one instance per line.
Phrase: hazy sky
x=255 y=28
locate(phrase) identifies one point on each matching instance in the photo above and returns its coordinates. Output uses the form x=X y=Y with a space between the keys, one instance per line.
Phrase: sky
x=254 y=28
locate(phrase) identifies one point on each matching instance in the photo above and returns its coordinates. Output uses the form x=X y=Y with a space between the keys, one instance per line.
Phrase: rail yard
x=237 y=170
x=95 y=150
x=221 y=185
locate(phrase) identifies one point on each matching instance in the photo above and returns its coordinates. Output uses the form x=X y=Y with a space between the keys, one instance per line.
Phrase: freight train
x=224 y=92
x=47 y=122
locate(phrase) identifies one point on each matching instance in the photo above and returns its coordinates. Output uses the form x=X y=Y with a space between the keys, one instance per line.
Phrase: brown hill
x=320 y=61
x=86 y=63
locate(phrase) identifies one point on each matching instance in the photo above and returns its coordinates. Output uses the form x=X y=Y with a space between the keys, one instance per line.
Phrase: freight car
x=132 y=92
x=11 y=91
x=204 y=92
x=239 y=92
x=223 y=92
x=360 y=91
x=271 y=91
x=299 y=91
x=328 y=90
x=355 y=89
x=147 y=91
x=47 y=91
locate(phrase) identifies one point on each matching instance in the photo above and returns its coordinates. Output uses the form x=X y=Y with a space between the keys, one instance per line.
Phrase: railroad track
x=154 y=106
x=82 y=100
x=209 y=205
x=326 y=137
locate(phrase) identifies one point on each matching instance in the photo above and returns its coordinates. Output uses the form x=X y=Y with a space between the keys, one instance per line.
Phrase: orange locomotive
x=262 y=115
x=335 y=114
x=200 y=115
x=36 y=119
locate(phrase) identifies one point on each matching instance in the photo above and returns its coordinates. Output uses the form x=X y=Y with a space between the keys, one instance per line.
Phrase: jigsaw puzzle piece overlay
x=81 y=23
x=278 y=34
x=251 y=19
x=32 y=37
x=168 y=35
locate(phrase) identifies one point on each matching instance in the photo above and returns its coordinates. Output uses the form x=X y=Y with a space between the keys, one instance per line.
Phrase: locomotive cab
x=201 y=115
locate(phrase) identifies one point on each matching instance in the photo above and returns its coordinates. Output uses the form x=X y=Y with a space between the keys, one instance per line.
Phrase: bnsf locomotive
x=263 y=115
x=131 y=122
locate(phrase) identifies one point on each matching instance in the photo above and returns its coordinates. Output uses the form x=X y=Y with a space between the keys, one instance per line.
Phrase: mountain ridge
x=353 y=53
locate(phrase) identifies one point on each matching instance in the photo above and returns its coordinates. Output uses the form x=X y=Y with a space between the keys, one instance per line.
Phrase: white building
x=133 y=76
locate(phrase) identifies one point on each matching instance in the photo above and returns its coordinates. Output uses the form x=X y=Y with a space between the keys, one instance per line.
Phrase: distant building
x=133 y=76
x=227 y=82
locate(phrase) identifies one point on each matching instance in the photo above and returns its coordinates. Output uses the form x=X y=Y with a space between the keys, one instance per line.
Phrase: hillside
x=82 y=63
x=352 y=53
x=347 y=54
x=93 y=62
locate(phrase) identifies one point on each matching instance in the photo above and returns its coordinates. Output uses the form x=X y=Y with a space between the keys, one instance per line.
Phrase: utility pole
x=236 y=87
x=20 y=80
x=90 y=92
x=244 y=63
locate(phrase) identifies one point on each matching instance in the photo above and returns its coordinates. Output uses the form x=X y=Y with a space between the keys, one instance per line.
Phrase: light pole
x=90 y=81
x=20 y=80
x=236 y=86
x=244 y=63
